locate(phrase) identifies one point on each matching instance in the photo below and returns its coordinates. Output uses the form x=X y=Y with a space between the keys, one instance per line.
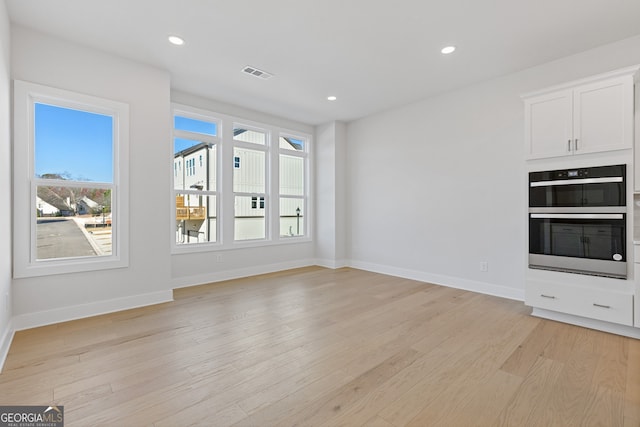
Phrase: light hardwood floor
x=320 y=347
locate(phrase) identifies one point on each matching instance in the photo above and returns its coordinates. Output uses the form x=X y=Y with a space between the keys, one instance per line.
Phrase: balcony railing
x=194 y=213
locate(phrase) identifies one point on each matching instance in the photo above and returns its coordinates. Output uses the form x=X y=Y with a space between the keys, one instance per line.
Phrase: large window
x=293 y=187
x=250 y=151
x=70 y=181
x=237 y=183
x=195 y=180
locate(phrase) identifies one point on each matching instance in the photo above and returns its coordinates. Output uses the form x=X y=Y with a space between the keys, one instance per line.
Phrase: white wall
x=438 y=186
x=202 y=267
x=331 y=217
x=41 y=59
x=5 y=185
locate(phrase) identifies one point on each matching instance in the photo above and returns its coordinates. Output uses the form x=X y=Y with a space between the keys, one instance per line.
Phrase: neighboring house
x=45 y=209
x=87 y=206
x=55 y=197
x=64 y=202
x=194 y=168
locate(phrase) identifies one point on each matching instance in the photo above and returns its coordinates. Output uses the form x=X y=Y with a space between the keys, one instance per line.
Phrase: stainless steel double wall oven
x=577 y=220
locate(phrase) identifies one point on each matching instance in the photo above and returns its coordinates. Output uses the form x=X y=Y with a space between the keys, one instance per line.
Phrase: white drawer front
x=592 y=303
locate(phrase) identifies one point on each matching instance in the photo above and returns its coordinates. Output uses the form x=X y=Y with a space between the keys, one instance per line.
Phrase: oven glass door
x=589 y=236
x=593 y=192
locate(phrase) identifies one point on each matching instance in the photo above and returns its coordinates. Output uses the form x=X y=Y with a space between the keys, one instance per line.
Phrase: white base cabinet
x=597 y=304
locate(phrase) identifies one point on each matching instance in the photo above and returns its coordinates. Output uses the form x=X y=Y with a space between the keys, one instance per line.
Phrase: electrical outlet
x=219 y=258
x=484 y=266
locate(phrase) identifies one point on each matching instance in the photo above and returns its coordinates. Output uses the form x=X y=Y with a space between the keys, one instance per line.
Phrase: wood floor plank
x=476 y=364
x=574 y=390
x=483 y=401
x=560 y=345
x=528 y=352
x=632 y=389
x=532 y=396
x=377 y=422
x=385 y=394
x=325 y=409
x=607 y=409
x=457 y=364
x=315 y=346
x=291 y=404
x=611 y=371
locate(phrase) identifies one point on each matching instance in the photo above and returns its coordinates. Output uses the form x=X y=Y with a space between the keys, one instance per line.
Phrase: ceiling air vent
x=256 y=72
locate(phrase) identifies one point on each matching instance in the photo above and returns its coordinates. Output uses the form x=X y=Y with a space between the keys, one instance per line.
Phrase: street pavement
x=61 y=238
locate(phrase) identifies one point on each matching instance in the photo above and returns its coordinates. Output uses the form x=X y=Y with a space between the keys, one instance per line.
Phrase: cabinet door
x=548 y=125
x=603 y=116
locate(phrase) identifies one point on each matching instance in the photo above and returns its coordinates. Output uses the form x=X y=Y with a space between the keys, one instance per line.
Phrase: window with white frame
x=70 y=181
x=293 y=185
x=237 y=182
x=195 y=190
x=250 y=155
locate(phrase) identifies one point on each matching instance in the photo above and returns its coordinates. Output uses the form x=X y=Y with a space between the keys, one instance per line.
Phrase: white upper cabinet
x=588 y=116
x=603 y=115
x=549 y=125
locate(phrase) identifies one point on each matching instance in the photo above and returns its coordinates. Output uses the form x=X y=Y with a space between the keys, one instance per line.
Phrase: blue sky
x=73 y=142
x=192 y=125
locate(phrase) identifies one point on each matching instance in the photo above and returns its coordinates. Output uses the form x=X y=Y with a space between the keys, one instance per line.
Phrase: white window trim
x=26 y=94
x=215 y=140
x=265 y=148
x=306 y=197
x=225 y=238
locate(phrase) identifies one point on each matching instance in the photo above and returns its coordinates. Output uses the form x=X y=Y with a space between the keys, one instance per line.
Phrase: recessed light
x=448 y=49
x=178 y=41
x=331 y=98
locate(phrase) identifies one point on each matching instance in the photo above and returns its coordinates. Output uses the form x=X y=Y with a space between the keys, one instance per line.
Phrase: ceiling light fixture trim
x=176 y=40
x=447 y=50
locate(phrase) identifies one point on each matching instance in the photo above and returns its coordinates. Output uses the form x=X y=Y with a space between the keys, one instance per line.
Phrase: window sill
x=215 y=247
x=58 y=266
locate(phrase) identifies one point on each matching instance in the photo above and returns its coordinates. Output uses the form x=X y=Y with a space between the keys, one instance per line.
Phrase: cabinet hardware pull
x=569 y=145
x=576 y=147
x=601 y=306
x=547 y=296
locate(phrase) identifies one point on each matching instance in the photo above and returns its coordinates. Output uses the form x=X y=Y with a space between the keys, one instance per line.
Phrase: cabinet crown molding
x=633 y=71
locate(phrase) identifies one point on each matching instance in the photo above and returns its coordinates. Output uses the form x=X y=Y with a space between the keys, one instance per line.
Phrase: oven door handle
x=577 y=181
x=576 y=216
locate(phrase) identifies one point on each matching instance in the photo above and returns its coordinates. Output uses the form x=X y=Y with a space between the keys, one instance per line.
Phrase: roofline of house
x=193 y=149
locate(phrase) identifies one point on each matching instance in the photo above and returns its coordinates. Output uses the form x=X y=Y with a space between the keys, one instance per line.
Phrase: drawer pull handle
x=547 y=296
x=601 y=306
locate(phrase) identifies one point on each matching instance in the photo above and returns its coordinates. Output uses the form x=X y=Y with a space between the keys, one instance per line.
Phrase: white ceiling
x=372 y=54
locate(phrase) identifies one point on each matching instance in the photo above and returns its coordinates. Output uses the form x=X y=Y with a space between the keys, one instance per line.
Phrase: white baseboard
x=332 y=263
x=5 y=343
x=239 y=273
x=599 y=325
x=64 y=314
x=437 y=279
